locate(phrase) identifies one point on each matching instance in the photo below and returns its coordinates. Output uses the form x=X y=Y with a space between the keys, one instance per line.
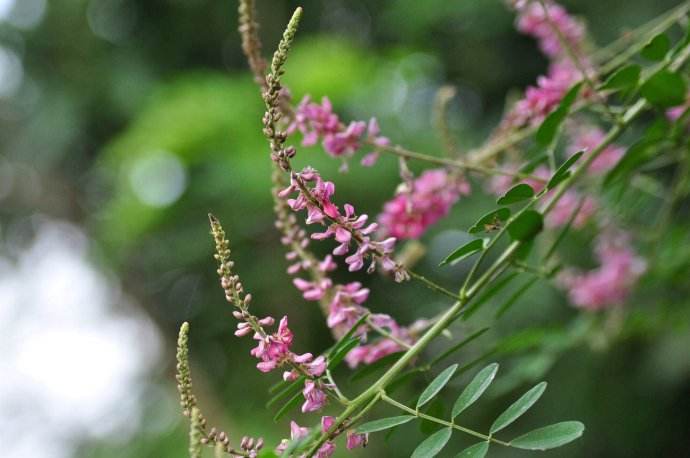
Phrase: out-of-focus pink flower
x=566 y=206
x=542 y=99
x=326 y=423
x=296 y=432
x=367 y=354
x=355 y=440
x=534 y=20
x=326 y=450
x=500 y=184
x=315 y=397
x=674 y=113
x=409 y=214
x=610 y=283
x=317 y=121
x=587 y=138
x=345 y=308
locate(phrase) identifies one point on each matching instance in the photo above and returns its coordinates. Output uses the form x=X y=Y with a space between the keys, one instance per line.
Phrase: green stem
x=440 y=421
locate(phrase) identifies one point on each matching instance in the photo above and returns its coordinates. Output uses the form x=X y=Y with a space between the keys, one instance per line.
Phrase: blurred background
x=124 y=122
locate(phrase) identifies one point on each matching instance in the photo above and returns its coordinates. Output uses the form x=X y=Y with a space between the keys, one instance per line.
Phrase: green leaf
x=372 y=368
x=548 y=128
x=664 y=89
x=517 y=193
x=464 y=251
x=490 y=219
x=289 y=390
x=489 y=294
x=549 y=437
x=344 y=339
x=526 y=226
x=288 y=406
x=563 y=171
x=478 y=450
x=433 y=444
x=623 y=79
x=518 y=408
x=515 y=296
x=636 y=155
x=337 y=358
x=383 y=424
x=656 y=48
x=436 y=385
x=475 y=389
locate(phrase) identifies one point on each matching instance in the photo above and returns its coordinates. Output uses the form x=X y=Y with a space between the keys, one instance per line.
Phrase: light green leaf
x=518 y=408
x=517 y=193
x=656 y=48
x=464 y=251
x=549 y=437
x=563 y=171
x=436 y=385
x=293 y=402
x=490 y=219
x=478 y=450
x=526 y=226
x=383 y=424
x=623 y=79
x=475 y=389
x=664 y=89
x=548 y=128
x=433 y=444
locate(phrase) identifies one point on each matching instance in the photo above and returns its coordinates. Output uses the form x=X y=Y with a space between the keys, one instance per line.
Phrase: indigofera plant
x=550 y=162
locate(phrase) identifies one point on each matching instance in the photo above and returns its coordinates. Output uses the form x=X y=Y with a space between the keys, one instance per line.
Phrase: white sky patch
x=73 y=351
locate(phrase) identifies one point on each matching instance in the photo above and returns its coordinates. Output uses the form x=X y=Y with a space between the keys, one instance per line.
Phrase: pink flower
x=610 y=283
x=326 y=450
x=356 y=440
x=273 y=349
x=315 y=397
x=566 y=206
x=345 y=142
x=367 y=354
x=326 y=423
x=296 y=432
x=673 y=113
x=587 y=138
x=409 y=214
x=345 y=309
x=539 y=23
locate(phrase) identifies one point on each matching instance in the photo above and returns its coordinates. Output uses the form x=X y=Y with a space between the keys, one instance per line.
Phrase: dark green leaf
x=345 y=339
x=457 y=346
x=636 y=155
x=551 y=436
x=342 y=352
x=664 y=89
x=289 y=390
x=518 y=408
x=377 y=365
x=548 y=128
x=464 y=251
x=475 y=389
x=436 y=385
x=656 y=48
x=478 y=450
x=490 y=219
x=288 y=406
x=384 y=423
x=526 y=226
x=625 y=78
x=517 y=193
x=433 y=444
x=563 y=171
x=490 y=293
x=515 y=296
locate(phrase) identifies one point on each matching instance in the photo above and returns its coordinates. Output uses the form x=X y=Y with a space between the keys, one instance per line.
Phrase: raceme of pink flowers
x=410 y=213
x=318 y=122
x=539 y=21
x=610 y=283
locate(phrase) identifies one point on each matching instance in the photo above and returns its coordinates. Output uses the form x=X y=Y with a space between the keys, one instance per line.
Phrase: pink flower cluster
x=367 y=354
x=328 y=448
x=546 y=25
x=314 y=195
x=318 y=121
x=610 y=283
x=273 y=351
x=409 y=214
x=539 y=21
